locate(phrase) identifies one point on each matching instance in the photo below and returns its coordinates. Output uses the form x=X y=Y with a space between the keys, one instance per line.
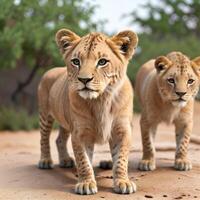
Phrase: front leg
x=148 y=134
x=119 y=145
x=183 y=132
x=90 y=151
x=86 y=180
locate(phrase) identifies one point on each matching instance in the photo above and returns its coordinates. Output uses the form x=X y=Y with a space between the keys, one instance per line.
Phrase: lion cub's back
x=47 y=81
x=143 y=77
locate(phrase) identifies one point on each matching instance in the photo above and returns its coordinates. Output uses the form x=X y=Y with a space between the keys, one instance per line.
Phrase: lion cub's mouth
x=88 y=89
x=180 y=100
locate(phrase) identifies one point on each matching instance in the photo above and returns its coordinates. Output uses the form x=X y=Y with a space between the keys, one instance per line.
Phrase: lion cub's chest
x=96 y=123
x=103 y=124
x=170 y=114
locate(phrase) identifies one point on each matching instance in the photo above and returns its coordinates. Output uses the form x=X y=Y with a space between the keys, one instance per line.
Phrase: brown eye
x=171 y=80
x=76 y=62
x=190 y=81
x=102 y=62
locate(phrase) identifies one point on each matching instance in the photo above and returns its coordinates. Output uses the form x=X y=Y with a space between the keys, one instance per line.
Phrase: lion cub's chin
x=179 y=104
x=88 y=94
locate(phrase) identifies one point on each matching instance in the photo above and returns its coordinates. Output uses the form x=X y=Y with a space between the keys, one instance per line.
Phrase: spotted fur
x=166 y=88
x=100 y=113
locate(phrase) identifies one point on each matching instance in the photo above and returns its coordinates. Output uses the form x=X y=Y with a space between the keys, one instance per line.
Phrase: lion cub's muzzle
x=86 y=91
x=180 y=101
x=180 y=94
x=85 y=80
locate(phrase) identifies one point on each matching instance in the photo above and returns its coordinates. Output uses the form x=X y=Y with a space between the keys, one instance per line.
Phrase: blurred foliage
x=175 y=17
x=27 y=29
x=13 y=120
x=19 y=119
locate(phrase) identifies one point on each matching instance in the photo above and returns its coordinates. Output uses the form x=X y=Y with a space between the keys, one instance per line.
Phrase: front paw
x=86 y=187
x=67 y=163
x=45 y=164
x=124 y=186
x=147 y=165
x=182 y=164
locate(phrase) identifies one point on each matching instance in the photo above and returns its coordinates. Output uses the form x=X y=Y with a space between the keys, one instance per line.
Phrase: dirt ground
x=20 y=179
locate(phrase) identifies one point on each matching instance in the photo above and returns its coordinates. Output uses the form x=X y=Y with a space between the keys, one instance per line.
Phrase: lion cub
x=166 y=88
x=91 y=99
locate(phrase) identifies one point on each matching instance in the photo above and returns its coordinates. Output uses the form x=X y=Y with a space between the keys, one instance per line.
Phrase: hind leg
x=64 y=159
x=46 y=123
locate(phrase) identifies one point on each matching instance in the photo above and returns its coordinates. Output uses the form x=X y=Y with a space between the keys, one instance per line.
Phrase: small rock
x=109 y=177
x=178 y=197
x=148 y=196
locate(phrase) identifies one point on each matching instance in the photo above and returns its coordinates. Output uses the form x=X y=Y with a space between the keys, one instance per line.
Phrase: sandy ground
x=21 y=180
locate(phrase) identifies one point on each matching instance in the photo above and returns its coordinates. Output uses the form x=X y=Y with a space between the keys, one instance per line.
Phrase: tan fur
x=102 y=113
x=159 y=96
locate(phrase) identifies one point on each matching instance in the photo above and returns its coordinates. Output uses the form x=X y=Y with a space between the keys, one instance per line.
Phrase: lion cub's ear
x=65 y=38
x=127 y=42
x=162 y=63
x=197 y=64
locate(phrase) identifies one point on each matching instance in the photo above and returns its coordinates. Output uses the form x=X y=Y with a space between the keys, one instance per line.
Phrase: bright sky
x=113 y=11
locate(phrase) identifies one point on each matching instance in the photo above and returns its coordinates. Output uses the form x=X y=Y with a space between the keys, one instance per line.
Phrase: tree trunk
x=22 y=85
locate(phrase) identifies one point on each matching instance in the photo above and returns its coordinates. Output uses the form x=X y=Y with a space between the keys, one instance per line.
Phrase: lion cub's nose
x=180 y=94
x=85 y=80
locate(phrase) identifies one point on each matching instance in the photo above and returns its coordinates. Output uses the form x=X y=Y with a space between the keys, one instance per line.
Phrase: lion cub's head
x=96 y=63
x=178 y=78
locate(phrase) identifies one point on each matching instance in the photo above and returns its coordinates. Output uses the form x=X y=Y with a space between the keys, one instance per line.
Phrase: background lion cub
x=92 y=99
x=166 y=88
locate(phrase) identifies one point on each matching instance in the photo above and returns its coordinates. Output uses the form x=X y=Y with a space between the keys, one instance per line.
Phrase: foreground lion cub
x=166 y=88
x=92 y=99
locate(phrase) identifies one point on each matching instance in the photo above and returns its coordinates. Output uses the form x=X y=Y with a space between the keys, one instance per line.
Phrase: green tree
x=27 y=30
x=175 y=17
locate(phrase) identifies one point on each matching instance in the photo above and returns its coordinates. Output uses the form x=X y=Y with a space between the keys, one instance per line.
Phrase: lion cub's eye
x=102 y=62
x=190 y=81
x=171 y=80
x=75 y=62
